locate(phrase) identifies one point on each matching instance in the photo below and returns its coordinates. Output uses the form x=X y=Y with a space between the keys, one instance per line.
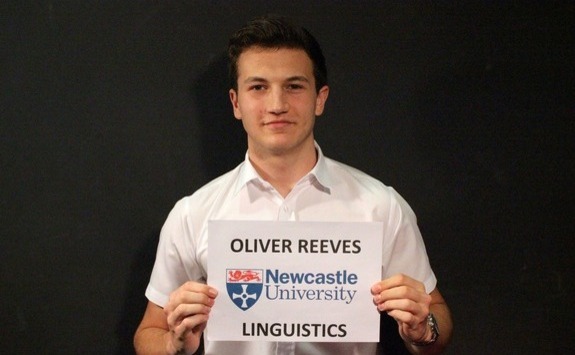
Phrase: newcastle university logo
x=244 y=286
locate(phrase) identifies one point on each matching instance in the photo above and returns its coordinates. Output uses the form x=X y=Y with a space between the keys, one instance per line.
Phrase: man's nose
x=277 y=101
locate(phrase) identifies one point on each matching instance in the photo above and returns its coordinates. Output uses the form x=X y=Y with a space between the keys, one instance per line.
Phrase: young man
x=279 y=87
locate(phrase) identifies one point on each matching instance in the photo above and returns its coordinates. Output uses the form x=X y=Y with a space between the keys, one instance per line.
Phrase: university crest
x=244 y=286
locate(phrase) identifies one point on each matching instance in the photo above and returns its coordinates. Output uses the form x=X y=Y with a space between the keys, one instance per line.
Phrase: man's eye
x=257 y=87
x=295 y=87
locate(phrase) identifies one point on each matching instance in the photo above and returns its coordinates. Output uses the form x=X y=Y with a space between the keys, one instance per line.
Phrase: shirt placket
x=286 y=212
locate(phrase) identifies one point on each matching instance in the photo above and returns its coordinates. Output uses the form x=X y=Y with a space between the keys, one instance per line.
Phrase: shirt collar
x=318 y=175
x=320 y=171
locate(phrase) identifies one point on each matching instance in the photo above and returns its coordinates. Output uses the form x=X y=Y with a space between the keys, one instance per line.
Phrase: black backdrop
x=112 y=110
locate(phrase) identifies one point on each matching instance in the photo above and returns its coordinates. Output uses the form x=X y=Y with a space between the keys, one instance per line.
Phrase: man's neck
x=284 y=170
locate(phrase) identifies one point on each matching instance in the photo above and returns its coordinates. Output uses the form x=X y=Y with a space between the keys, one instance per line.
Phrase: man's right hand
x=176 y=329
x=187 y=312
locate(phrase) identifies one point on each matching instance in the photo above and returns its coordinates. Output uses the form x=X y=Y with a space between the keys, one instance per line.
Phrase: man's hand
x=404 y=299
x=178 y=327
x=187 y=312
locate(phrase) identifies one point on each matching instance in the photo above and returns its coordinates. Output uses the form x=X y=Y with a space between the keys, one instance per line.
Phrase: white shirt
x=331 y=191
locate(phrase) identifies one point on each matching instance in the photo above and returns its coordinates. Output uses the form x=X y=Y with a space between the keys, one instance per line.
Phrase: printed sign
x=294 y=281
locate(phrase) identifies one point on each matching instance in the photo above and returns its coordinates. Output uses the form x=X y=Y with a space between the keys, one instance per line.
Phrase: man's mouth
x=277 y=123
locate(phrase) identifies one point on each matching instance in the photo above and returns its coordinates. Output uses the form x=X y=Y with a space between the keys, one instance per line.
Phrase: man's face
x=276 y=99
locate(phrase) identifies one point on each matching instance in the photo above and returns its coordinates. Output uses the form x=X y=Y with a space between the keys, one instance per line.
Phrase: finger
x=400 y=292
x=411 y=320
x=194 y=297
x=191 y=294
x=417 y=309
x=403 y=292
x=188 y=330
x=395 y=281
x=184 y=311
x=195 y=324
x=193 y=286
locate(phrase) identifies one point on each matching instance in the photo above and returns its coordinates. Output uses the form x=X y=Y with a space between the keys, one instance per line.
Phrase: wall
x=112 y=111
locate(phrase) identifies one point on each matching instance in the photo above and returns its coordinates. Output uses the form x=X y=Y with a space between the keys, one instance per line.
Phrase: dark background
x=110 y=111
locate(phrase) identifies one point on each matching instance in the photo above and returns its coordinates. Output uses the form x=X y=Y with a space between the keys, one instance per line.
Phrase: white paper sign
x=294 y=281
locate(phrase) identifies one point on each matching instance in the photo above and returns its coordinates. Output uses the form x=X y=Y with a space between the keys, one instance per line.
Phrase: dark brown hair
x=273 y=31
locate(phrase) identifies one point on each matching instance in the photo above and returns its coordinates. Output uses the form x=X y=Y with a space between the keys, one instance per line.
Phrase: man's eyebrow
x=298 y=78
x=257 y=79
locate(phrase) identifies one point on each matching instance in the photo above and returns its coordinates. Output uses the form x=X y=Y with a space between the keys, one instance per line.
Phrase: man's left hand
x=404 y=299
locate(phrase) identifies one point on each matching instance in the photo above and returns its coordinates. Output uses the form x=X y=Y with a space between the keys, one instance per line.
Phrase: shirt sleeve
x=404 y=250
x=174 y=260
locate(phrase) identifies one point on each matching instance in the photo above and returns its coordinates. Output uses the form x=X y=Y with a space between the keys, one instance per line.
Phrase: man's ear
x=235 y=106
x=320 y=100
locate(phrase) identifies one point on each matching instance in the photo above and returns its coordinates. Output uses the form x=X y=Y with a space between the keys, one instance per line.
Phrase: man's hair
x=275 y=32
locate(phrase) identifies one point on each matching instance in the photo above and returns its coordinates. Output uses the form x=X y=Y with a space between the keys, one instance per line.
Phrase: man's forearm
x=150 y=341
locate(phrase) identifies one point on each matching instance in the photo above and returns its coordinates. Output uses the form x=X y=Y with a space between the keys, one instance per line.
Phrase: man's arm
x=150 y=335
x=405 y=299
x=177 y=328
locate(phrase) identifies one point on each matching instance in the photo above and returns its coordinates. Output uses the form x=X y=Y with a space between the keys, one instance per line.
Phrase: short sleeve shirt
x=331 y=191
